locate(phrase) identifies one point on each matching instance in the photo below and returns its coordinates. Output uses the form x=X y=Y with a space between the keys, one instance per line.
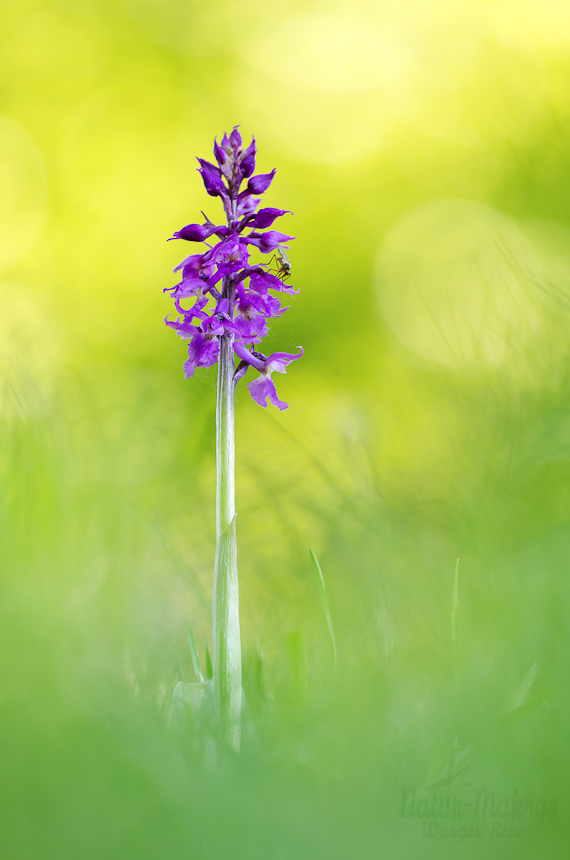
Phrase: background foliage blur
x=424 y=149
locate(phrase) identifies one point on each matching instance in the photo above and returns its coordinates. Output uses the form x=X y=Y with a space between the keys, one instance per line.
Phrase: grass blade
x=324 y=601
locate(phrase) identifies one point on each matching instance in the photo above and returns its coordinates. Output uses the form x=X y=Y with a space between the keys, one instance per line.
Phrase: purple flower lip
x=243 y=293
x=263 y=388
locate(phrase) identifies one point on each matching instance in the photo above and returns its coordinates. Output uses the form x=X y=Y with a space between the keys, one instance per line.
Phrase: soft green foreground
x=425 y=152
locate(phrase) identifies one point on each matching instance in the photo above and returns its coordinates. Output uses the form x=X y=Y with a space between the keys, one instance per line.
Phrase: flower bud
x=220 y=154
x=266 y=217
x=209 y=167
x=213 y=184
x=235 y=138
x=260 y=183
x=247 y=160
x=193 y=233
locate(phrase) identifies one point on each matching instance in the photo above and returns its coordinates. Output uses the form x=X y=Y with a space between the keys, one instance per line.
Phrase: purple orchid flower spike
x=224 y=272
x=233 y=301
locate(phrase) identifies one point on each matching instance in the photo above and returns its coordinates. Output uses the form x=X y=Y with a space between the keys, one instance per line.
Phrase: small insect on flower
x=283 y=263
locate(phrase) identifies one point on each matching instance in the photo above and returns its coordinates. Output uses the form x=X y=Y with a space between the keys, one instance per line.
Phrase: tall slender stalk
x=225 y=607
x=225 y=438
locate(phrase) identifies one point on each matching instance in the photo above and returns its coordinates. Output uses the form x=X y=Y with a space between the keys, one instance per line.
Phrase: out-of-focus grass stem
x=324 y=602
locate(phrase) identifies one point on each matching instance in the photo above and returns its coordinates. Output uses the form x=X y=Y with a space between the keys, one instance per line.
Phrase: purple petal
x=202 y=352
x=209 y=167
x=261 y=303
x=247 y=166
x=189 y=367
x=267 y=242
x=250 y=150
x=194 y=311
x=223 y=306
x=250 y=322
x=260 y=183
x=192 y=261
x=246 y=221
x=189 y=287
x=251 y=330
x=263 y=388
x=235 y=138
x=247 y=160
x=285 y=356
x=195 y=232
x=246 y=355
x=246 y=204
x=213 y=326
x=184 y=329
x=268 y=305
x=270 y=281
x=273 y=398
x=219 y=153
x=285 y=288
x=230 y=255
x=261 y=283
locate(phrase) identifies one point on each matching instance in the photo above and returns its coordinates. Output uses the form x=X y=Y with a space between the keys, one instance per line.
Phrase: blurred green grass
x=424 y=151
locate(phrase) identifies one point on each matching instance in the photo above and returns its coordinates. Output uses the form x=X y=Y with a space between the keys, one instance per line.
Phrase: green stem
x=225 y=438
x=225 y=607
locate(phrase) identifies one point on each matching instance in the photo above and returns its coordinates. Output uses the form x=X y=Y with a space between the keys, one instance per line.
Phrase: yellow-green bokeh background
x=424 y=148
